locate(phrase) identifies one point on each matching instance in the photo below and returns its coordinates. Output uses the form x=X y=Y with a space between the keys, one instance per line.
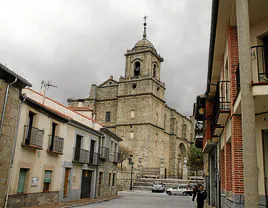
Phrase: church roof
x=144 y=43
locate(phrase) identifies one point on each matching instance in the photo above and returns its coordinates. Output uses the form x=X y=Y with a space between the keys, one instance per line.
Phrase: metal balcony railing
x=223 y=96
x=221 y=103
x=116 y=157
x=56 y=144
x=86 y=157
x=259 y=55
x=94 y=158
x=33 y=137
x=81 y=156
x=104 y=153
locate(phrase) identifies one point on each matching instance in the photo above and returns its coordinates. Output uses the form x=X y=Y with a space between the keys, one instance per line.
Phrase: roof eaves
x=12 y=73
x=214 y=19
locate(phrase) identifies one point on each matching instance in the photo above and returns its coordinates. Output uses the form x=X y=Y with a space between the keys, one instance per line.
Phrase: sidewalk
x=77 y=202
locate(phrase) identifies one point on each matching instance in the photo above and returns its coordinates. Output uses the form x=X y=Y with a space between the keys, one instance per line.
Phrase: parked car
x=182 y=189
x=158 y=187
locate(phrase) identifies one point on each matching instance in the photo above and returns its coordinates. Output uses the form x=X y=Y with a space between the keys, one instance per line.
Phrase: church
x=134 y=108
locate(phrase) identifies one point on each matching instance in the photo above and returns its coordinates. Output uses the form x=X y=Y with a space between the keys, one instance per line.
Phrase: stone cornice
x=142 y=94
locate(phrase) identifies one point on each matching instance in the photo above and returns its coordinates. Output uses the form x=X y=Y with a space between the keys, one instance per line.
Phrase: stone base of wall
x=32 y=199
x=237 y=201
x=123 y=180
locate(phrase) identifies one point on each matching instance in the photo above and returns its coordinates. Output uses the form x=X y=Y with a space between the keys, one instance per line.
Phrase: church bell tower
x=143 y=60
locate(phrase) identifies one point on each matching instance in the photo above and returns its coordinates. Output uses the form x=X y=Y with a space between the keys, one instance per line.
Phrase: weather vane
x=144 y=32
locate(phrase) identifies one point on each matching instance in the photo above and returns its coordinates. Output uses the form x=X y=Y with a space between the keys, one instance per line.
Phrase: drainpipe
x=13 y=152
x=5 y=105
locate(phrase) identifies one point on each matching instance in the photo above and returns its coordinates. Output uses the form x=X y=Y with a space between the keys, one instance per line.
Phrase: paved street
x=145 y=199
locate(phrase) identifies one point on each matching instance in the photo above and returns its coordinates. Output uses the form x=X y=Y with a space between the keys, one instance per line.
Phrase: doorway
x=86 y=183
x=265 y=162
x=92 y=148
x=77 y=147
x=66 y=182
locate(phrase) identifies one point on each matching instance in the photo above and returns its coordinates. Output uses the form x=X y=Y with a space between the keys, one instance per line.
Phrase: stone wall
x=33 y=199
x=123 y=180
x=103 y=188
x=8 y=133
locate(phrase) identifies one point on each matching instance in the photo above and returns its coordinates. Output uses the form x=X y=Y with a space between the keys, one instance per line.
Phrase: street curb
x=95 y=202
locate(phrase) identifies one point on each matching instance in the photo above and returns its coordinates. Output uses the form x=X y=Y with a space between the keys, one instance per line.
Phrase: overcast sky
x=75 y=43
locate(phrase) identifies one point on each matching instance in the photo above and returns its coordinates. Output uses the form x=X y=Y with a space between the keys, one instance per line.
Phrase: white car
x=182 y=189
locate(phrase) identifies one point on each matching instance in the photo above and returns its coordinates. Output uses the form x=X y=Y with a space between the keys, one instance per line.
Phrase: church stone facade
x=134 y=108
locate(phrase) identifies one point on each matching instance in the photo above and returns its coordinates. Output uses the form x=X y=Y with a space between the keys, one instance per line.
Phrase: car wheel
x=184 y=194
x=168 y=192
x=152 y=191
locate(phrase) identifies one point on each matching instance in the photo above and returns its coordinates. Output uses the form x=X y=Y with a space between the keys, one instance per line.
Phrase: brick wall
x=222 y=169
x=237 y=176
x=228 y=167
x=209 y=111
x=8 y=133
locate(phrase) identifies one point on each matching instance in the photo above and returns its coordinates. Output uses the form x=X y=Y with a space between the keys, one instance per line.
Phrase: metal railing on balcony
x=259 y=55
x=33 y=137
x=94 y=158
x=56 y=144
x=116 y=157
x=223 y=96
x=86 y=157
x=81 y=156
x=222 y=102
x=104 y=153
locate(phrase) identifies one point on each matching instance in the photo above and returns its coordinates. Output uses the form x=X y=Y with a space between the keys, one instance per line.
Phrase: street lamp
x=130 y=162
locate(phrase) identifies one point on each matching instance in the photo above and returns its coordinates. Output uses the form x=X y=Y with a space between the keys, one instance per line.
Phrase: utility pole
x=251 y=192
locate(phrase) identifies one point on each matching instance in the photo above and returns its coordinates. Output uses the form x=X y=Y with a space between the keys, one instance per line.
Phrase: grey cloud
x=77 y=43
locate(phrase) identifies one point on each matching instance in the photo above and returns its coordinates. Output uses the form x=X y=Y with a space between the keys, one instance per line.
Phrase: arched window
x=154 y=71
x=137 y=69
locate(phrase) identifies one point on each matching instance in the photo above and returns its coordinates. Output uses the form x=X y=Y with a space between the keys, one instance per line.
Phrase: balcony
x=56 y=145
x=81 y=156
x=104 y=153
x=33 y=137
x=86 y=157
x=222 y=105
x=116 y=157
x=259 y=57
x=94 y=158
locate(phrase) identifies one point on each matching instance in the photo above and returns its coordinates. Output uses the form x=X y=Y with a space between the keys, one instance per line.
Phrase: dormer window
x=137 y=70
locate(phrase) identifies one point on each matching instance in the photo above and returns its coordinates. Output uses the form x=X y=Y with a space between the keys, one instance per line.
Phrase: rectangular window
x=53 y=134
x=184 y=129
x=132 y=114
x=29 y=127
x=22 y=180
x=115 y=147
x=108 y=116
x=47 y=180
x=100 y=177
x=109 y=181
x=131 y=135
x=113 y=184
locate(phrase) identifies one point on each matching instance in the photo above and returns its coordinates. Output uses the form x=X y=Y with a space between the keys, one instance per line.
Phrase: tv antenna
x=44 y=87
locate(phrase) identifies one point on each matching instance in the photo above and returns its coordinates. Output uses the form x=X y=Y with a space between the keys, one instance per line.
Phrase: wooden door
x=22 y=179
x=86 y=184
x=66 y=182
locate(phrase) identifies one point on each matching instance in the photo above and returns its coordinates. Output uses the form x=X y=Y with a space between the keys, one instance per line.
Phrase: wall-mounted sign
x=34 y=181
